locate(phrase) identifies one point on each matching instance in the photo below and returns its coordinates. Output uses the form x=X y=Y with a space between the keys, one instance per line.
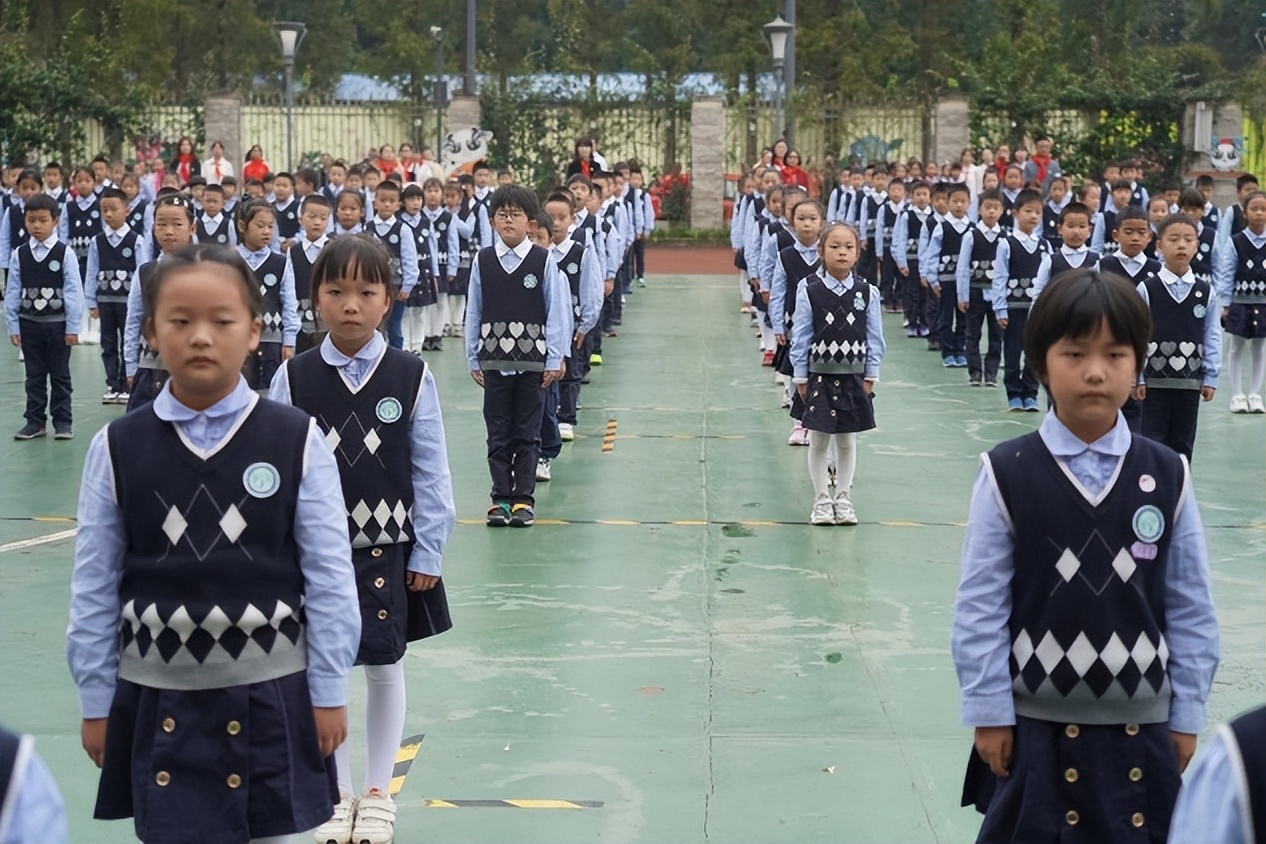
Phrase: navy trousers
x=979 y=318
x=48 y=387
x=951 y=329
x=512 y=415
x=551 y=440
x=1019 y=381
x=1169 y=417
x=113 y=318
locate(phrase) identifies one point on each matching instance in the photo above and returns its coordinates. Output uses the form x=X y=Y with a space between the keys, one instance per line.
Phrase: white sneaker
x=1239 y=404
x=823 y=512
x=122 y=398
x=542 y=469
x=566 y=432
x=338 y=829
x=375 y=819
x=110 y=397
x=844 y=512
x=799 y=435
x=1255 y=404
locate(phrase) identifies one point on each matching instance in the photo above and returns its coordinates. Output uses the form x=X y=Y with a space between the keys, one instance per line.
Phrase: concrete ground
x=672 y=652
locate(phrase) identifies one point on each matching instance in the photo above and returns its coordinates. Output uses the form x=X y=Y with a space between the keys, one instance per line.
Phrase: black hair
x=1076 y=304
x=1244 y=179
x=1204 y=181
x=369 y=168
x=515 y=196
x=411 y=190
x=561 y=196
x=832 y=226
x=1074 y=208
x=1121 y=184
x=340 y=163
x=307 y=174
x=213 y=190
x=248 y=211
x=918 y=184
x=957 y=187
x=1171 y=184
x=394 y=177
x=990 y=195
x=813 y=203
x=202 y=253
x=284 y=175
x=465 y=179
x=194 y=181
x=174 y=199
x=366 y=253
x=546 y=224
x=42 y=202
x=316 y=199
x=55 y=165
x=112 y=193
x=941 y=189
x=1178 y=219
x=100 y=158
x=503 y=172
x=480 y=165
x=896 y=180
x=228 y=180
x=388 y=186
x=30 y=174
x=1130 y=212
x=354 y=194
x=1026 y=197
x=580 y=178
x=256 y=182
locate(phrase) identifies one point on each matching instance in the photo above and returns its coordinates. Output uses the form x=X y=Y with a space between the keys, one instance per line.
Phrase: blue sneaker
x=949 y=362
x=962 y=361
x=1015 y=405
x=1030 y=406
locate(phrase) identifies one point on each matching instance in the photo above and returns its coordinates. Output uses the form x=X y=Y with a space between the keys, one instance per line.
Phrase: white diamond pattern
x=216 y=623
x=382 y=513
x=252 y=619
x=1022 y=649
x=1082 y=654
x=360 y=514
x=174 y=525
x=372 y=441
x=1144 y=652
x=232 y=523
x=1124 y=565
x=1115 y=655
x=1067 y=565
x=333 y=438
x=1048 y=652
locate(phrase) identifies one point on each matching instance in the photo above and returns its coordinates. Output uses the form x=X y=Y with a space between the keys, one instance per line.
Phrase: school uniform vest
x=783 y=237
x=839 y=341
x=211 y=587
x=269 y=274
x=468 y=247
x=1060 y=263
x=136 y=217
x=983 y=252
x=368 y=431
x=569 y=265
x=440 y=226
x=1202 y=261
x=43 y=285
x=391 y=240
x=914 y=228
x=1250 y=272
x=1175 y=355
x=1050 y=226
x=1136 y=196
x=796 y=269
x=82 y=225
x=873 y=209
x=951 y=243
x=1022 y=269
x=1087 y=622
x=839 y=197
x=1110 y=246
x=889 y=223
x=421 y=234
x=17 y=224
x=288 y=219
x=1113 y=264
x=115 y=267
x=218 y=234
x=301 y=267
x=1238 y=221
x=512 y=322
x=1007 y=220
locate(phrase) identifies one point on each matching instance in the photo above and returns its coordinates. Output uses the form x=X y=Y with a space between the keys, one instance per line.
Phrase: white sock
x=441 y=313
x=1236 y=349
x=745 y=289
x=457 y=311
x=1257 y=365
x=845 y=461
x=343 y=768
x=384 y=718
x=819 y=445
x=767 y=342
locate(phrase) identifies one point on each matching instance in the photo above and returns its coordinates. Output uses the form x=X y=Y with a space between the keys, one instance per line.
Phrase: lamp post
x=290 y=34
x=437 y=33
x=776 y=33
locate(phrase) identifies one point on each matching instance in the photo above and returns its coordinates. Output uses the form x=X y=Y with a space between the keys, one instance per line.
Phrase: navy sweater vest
x=43 y=285
x=115 y=267
x=1088 y=621
x=368 y=431
x=569 y=265
x=839 y=339
x=951 y=243
x=1060 y=264
x=391 y=240
x=1022 y=272
x=17 y=225
x=211 y=587
x=269 y=275
x=82 y=225
x=288 y=219
x=1250 y=273
x=914 y=229
x=512 y=324
x=301 y=267
x=136 y=217
x=148 y=357
x=984 y=250
x=1112 y=264
x=1175 y=355
x=796 y=269
x=1202 y=261
x=218 y=234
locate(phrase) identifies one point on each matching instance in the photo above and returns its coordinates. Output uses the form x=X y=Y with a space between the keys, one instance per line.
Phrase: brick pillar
x=463 y=113
x=1227 y=122
x=707 y=163
x=952 y=128
x=223 y=123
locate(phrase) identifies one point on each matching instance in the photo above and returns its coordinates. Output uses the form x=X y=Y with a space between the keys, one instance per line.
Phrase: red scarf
x=184 y=164
x=1042 y=162
x=585 y=165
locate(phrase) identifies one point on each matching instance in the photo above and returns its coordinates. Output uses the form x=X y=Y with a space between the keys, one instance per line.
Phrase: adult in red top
x=583 y=162
x=1002 y=160
x=255 y=167
x=186 y=164
x=792 y=172
x=386 y=162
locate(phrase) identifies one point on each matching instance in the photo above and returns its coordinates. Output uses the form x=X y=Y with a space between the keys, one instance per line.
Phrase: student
x=349 y=211
x=1132 y=171
x=1186 y=344
x=1240 y=279
x=646 y=218
x=390 y=229
x=280 y=310
x=551 y=446
x=1192 y=203
x=353 y=380
x=795 y=264
x=1204 y=185
x=13 y=221
x=1132 y=234
x=307 y=183
x=287 y=208
x=314 y=220
x=754 y=212
x=1081 y=538
x=1072 y=254
x=841 y=196
x=890 y=289
x=758 y=235
x=939 y=270
x=1223 y=797
x=779 y=235
x=81 y=221
x=1017 y=265
x=578 y=261
x=457 y=271
x=1172 y=190
x=231 y=199
x=746 y=194
x=481 y=198
x=247 y=538
x=437 y=245
x=836 y=363
x=371 y=178
x=868 y=225
x=1012 y=184
x=55 y=182
x=914 y=229
x=603 y=235
x=43 y=307
x=31 y=808
x=1233 y=220
x=336 y=173
x=113 y=259
x=1157 y=211
x=195 y=187
x=515 y=284
x=215 y=226
x=139 y=214
x=615 y=212
x=173 y=230
x=1111 y=174
x=974 y=283
x=1055 y=202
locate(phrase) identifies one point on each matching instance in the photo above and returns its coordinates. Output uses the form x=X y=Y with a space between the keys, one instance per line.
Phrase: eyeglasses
x=510 y=216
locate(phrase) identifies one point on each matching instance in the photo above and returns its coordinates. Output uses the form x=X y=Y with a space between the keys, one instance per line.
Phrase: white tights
x=384 y=727
x=456 y=310
x=1239 y=352
x=745 y=289
x=767 y=341
x=820 y=456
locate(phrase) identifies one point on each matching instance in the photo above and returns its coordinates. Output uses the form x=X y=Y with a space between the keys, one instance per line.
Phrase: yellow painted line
x=552 y=522
x=608 y=439
x=689 y=522
x=404 y=758
x=759 y=523
x=619 y=522
x=52 y=519
x=900 y=523
x=440 y=804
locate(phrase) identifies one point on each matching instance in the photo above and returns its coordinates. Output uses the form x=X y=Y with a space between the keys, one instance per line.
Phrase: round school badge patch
x=529 y=281
x=127 y=252
x=394 y=238
x=572 y=268
x=1148 y=523
x=1147 y=483
x=224 y=238
x=261 y=480
x=54 y=266
x=388 y=410
x=270 y=279
x=1199 y=311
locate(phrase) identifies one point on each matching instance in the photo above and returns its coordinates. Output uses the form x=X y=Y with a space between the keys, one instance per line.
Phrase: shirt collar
x=49 y=243
x=811 y=249
x=994 y=229
x=1170 y=278
x=1080 y=250
x=520 y=251
x=117 y=233
x=169 y=409
x=1064 y=443
x=371 y=351
x=382 y=225
x=207 y=218
x=835 y=283
x=1137 y=260
x=258 y=254
x=1031 y=237
x=319 y=243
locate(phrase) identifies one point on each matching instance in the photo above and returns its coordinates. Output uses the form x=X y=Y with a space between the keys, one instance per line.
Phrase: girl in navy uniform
x=287 y=207
x=837 y=344
x=213 y=616
x=215 y=224
x=380 y=412
x=138 y=210
x=302 y=256
x=1240 y=277
x=1084 y=635
x=422 y=308
x=1018 y=263
x=444 y=255
x=255 y=221
x=13 y=220
x=173 y=230
x=80 y=223
x=398 y=239
x=456 y=275
x=796 y=263
x=349 y=211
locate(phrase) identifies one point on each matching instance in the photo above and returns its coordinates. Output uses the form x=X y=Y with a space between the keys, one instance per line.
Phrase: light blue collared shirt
x=434 y=513
x=72 y=287
x=778 y=286
x=769 y=255
x=290 y=322
x=802 y=327
x=1077 y=258
x=6 y=248
x=1002 y=266
x=1179 y=288
x=408 y=251
x=962 y=273
x=590 y=283
x=320 y=531
x=1100 y=237
x=981 y=641
x=451 y=247
x=930 y=258
x=63 y=222
x=35 y=813
x=882 y=248
x=558 y=321
x=91 y=282
x=433 y=246
x=901 y=234
x=1225 y=259
x=1213 y=801
x=738 y=220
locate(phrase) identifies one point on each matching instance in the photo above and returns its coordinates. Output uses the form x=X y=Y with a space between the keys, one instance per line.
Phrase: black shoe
x=29 y=432
x=934 y=345
x=522 y=516
x=499 y=515
x=63 y=433
x=437 y=344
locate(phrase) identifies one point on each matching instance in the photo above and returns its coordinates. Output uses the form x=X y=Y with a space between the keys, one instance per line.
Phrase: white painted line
x=39 y=540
